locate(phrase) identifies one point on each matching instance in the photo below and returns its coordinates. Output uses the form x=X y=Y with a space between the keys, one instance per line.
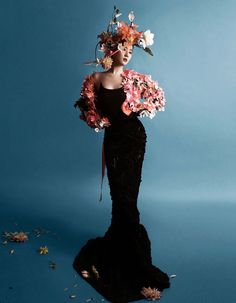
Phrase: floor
x=195 y=240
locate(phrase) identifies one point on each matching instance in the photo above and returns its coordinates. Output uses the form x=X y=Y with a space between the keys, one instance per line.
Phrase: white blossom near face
x=147 y=38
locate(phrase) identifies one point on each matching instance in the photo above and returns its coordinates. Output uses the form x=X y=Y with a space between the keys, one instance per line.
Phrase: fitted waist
x=131 y=126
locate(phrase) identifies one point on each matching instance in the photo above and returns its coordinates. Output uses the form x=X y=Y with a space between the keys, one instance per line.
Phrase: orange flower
x=128 y=33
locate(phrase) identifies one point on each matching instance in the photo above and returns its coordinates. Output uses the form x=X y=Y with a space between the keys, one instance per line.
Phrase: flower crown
x=120 y=34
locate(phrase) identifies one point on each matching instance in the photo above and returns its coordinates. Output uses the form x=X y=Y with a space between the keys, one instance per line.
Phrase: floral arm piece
x=140 y=86
x=86 y=103
x=154 y=97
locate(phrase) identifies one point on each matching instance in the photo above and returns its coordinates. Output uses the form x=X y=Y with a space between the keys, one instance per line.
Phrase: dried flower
x=16 y=236
x=43 y=250
x=151 y=293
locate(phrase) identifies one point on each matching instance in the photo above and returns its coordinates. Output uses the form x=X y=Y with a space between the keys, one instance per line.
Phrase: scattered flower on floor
x=151 y=293
x=43 y=250
x=16 y=236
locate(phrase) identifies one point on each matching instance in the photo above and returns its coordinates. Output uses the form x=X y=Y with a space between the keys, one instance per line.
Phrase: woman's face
x=124 y=55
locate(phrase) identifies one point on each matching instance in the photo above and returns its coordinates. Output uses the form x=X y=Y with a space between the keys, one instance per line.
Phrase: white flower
x=144 y=113
x=118 y=15
x=101 y=123
x=131 y=16
x=103 y=48
x=147 y=38
x=85 y=273
x=152 y=115
x=117 y=25
x=120 y=47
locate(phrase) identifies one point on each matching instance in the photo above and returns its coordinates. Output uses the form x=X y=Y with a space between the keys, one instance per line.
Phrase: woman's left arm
x=154 y=97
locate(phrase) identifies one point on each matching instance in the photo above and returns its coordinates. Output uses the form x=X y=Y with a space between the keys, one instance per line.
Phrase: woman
x=119 y=265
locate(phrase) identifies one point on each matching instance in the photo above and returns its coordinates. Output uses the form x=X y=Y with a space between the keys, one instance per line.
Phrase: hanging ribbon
x=103 y=170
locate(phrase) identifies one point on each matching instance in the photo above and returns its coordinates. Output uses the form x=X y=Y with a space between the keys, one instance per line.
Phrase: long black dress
x=122 y=258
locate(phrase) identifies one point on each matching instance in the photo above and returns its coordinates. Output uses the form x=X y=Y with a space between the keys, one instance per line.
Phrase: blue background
x=51 y=160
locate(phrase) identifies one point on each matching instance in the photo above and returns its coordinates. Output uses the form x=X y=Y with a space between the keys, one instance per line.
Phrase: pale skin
x=111 y=78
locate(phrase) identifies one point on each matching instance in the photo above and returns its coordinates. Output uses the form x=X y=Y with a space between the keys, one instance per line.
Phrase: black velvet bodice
x=109 y=101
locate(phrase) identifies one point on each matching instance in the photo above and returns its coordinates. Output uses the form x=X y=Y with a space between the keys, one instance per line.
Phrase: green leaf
x=148 y=50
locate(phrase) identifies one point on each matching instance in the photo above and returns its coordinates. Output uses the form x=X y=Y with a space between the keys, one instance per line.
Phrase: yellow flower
x=43 y=250
x=106 y=62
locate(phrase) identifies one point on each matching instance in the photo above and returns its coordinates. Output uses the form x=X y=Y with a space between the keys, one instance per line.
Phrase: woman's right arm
x=86 y=103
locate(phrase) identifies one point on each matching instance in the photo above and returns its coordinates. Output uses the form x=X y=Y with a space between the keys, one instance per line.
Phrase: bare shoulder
x=97 y=78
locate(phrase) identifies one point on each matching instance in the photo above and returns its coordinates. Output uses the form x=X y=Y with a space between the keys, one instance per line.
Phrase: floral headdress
x=120 y=34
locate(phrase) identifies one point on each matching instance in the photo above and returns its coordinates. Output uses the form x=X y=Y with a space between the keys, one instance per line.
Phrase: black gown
x=122 y=258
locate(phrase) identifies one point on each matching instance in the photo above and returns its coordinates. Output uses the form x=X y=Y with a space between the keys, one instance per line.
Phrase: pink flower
x=138 y=86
